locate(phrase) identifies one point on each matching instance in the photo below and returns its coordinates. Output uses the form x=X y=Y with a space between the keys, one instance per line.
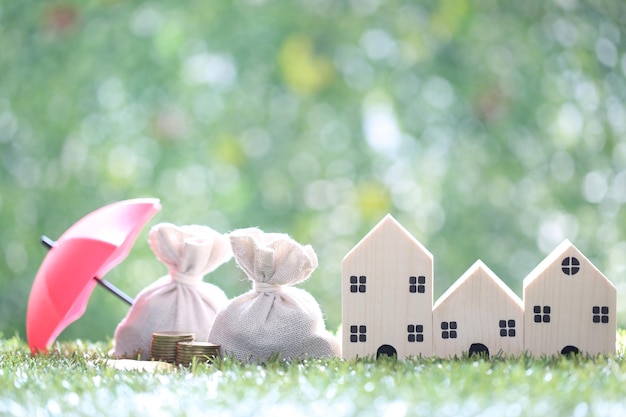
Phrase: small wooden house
x=570 y=306
x=478 y=314
x=387 y=294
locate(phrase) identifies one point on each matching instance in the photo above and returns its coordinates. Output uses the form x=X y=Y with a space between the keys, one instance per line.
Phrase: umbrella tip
x=46 y=241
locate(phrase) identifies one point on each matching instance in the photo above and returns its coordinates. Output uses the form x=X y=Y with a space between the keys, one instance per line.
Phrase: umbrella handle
x=49 y=243
x=115 y=291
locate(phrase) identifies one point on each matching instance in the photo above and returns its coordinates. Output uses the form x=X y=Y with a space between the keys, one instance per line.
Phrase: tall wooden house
x=570 y=306
x=387 y=294
x=478 y=314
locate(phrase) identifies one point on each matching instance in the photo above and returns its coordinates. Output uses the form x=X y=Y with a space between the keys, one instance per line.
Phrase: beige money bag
x=179 y=301
x=273 y=318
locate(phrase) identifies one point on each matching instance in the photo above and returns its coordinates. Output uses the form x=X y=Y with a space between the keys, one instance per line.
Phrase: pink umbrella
x=87 y=250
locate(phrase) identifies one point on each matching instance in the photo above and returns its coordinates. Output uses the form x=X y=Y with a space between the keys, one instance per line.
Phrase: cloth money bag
x=273 y=318
x=179 y=301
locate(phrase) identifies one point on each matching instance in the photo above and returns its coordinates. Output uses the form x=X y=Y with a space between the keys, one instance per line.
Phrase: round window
x=570 y=265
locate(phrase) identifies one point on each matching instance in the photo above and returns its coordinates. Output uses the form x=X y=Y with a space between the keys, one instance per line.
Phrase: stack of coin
x=202 y=351
x=163 y=345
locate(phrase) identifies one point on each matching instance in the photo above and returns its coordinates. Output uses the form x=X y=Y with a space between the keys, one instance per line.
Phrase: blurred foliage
x=490 y=130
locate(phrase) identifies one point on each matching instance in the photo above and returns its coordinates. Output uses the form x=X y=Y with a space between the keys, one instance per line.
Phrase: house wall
x=476 y=308
x=387 y=258
x=571 y=299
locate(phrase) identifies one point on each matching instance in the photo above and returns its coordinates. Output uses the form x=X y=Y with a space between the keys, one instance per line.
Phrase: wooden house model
x=570 y=306
x=478 y=314
x=387 y=294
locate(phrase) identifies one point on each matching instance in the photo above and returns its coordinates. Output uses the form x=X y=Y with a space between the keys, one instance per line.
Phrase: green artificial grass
x=74 y=379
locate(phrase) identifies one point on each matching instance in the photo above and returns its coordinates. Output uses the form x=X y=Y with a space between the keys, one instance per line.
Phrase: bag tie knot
x=266 y=287
x=190 y=280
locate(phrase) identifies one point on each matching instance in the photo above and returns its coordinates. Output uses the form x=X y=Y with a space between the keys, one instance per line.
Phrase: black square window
x=417 y=284
x=448 y=329
x=415 y=333
x=421 y=284
x=570 y=265
x=357 y=284
x=507 y=328
x=358 y=334
x=542 y=318
x=600 y=314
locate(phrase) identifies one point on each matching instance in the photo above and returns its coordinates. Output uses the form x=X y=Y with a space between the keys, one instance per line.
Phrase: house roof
x=552 y=260
x=386 y=227
x=479 y=271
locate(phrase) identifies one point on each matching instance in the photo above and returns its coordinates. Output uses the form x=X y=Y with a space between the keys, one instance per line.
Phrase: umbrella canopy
x=88 y=249
x=49 y=243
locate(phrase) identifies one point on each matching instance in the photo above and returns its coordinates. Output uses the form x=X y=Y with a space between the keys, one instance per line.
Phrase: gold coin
x=201 y=351
x=172 y=334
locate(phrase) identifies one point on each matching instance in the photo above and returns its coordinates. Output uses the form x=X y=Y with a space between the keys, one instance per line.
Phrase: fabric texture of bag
x=274 y=318
x=179 y=301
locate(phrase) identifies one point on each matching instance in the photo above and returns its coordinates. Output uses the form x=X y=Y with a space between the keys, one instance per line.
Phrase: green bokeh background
x=490 y=130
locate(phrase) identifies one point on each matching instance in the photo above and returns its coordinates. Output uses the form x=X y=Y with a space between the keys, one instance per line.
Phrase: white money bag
x=273 y=318
x=179 y=301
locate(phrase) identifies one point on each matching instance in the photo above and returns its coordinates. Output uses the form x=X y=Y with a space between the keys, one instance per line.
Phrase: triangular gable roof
x=473 y=272
x=554 y=256
x=388 y=224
